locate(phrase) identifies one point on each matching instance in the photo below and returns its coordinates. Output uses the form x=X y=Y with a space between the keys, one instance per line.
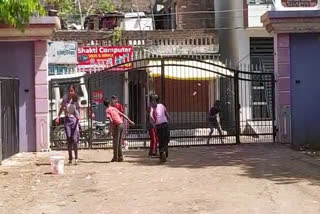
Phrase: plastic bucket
x=57 y=164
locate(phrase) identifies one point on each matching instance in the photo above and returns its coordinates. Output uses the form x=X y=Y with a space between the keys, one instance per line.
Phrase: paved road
x=252 y=178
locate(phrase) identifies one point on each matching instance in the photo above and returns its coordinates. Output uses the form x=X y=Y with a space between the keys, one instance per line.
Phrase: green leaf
x=18 y=12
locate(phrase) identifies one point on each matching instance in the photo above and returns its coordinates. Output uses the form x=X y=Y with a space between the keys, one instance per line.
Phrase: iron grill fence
x=188 y=87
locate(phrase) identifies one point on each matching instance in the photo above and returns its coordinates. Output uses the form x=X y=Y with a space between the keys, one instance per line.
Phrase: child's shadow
x=103 y=162
x=48 y=173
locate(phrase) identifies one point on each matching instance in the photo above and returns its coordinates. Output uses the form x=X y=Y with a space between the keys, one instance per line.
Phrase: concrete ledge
x=39 y=28
x=45 y=20
x=303 y=21
x=293 y=14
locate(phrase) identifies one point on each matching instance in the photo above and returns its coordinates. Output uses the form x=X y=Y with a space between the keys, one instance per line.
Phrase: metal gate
x=189 y=88
x=9 y=117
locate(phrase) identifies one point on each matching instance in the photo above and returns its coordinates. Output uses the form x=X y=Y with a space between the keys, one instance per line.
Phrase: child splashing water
x=116 y=128
x=70 y=106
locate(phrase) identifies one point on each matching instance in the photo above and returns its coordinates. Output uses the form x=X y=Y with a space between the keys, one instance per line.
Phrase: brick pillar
x=283 y=88
x=41 y=95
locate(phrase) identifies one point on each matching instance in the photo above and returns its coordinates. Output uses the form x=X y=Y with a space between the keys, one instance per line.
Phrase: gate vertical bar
x=12 y=119
x=51 y=115
x=16 y=112
x=126 y=92
x=90 y=130
x=163 y=87
x=274 y=128
x=237 y=106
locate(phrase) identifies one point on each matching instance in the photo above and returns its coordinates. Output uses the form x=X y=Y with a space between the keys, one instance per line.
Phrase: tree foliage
x=117 y=34
x=17 y=12
x=104 y=6
x=76 y=10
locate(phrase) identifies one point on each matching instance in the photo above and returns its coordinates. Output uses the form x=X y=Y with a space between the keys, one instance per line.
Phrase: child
x=70 y=106
x=115 y=103
x=213 y=114
x=152 y=129
x=160 y=116
x=116 y=128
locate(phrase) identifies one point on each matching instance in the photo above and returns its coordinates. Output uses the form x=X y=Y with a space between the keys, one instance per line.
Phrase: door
x=9 y=119
x=305 y=88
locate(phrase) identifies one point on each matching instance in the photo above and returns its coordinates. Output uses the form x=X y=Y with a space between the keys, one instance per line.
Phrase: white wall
x=254 y=14
x=243 y=42
x=242 y=59
x=134 y=24
x=234 y=38
x=234 y=41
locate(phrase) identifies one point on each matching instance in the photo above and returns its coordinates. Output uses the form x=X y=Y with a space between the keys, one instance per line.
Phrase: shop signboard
x=92 y=59
x=299 y=3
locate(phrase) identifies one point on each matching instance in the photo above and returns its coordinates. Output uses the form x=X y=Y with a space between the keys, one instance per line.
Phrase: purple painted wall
x=17 y=60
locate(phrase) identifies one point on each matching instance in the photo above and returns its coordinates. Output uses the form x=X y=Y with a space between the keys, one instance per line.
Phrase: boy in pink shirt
x=116 y=128
x=115 y=103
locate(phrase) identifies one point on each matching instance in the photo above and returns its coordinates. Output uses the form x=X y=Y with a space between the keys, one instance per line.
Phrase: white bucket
x=57 y=164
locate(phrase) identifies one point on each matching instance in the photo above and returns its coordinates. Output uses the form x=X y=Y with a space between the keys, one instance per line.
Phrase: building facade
x=276 y=36
x=246 y=45
x=24 y=56
x=184 y=14
x=295 y=26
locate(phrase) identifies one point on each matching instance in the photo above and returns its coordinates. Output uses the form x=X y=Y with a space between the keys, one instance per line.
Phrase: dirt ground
x=264 y=178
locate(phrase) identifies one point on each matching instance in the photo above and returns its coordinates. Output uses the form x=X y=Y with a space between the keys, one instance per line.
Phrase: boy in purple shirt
x=160 y=116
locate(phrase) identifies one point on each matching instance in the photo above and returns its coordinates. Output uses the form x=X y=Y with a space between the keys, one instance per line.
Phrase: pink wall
x=41 y=95
x=283 y=91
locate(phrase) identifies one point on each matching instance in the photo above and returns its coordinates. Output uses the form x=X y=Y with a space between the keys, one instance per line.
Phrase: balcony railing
x=257 y=2
x=157 y=42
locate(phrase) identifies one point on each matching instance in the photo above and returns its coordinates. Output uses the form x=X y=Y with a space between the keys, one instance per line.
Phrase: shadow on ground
x=275 y=162
x=90 y=162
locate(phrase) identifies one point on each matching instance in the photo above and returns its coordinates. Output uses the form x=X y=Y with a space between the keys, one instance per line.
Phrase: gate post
x=237 y=105
x=273 y=115
x=163 y=87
